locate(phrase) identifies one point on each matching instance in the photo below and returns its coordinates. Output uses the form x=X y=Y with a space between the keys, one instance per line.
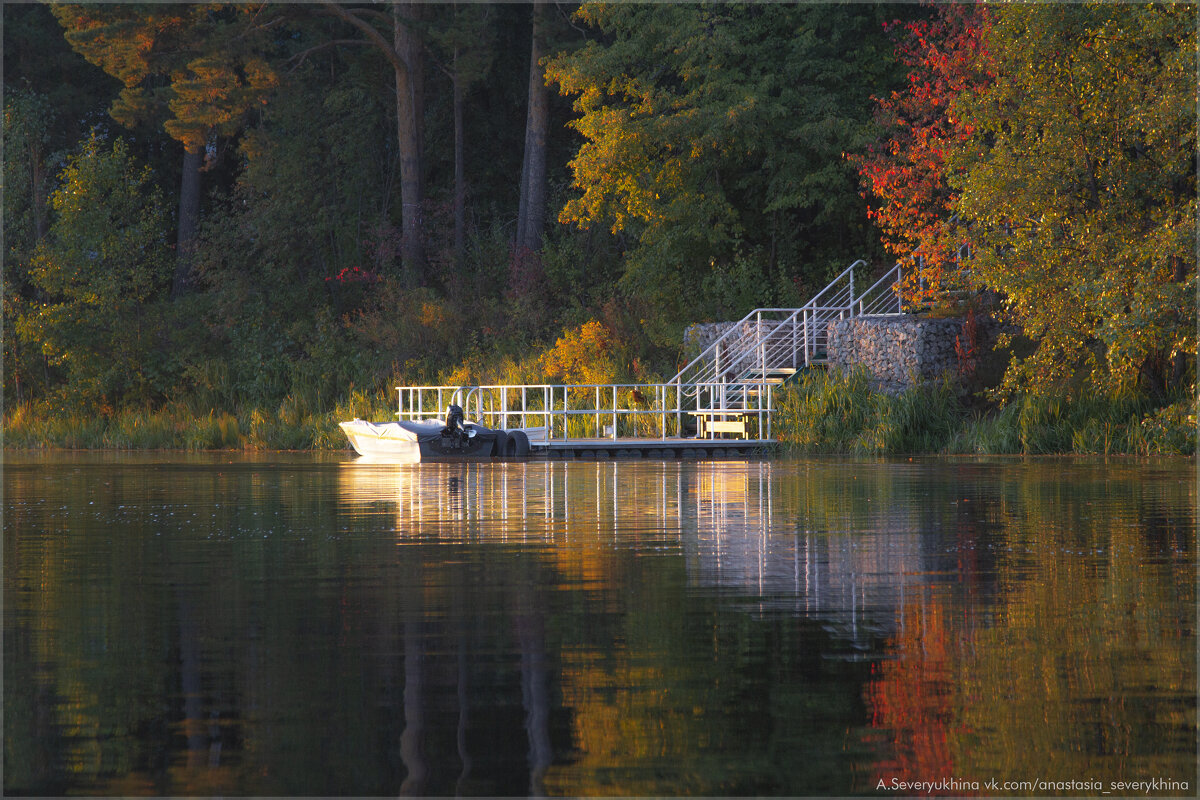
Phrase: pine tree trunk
x=408 y=112
x=189 y=220
x=460 y=188
x=532 y=207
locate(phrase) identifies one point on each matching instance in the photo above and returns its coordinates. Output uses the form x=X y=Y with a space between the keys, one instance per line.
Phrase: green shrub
x=1168 y=431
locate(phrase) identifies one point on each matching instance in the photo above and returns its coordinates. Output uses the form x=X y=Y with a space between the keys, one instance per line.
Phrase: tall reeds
x=832 y=413
x=823 y=413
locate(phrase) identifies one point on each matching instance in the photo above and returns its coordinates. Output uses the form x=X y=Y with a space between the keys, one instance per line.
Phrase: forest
x=230 y=224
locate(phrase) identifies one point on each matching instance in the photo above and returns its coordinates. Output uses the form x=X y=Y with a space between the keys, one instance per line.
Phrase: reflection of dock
x=773 y=541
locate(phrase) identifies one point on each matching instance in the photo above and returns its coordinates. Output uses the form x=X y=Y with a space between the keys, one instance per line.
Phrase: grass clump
x=297 y=423
x=828 y=412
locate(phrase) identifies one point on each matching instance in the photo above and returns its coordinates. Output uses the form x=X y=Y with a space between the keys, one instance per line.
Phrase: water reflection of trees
x=1081 y=664
x=591 y=628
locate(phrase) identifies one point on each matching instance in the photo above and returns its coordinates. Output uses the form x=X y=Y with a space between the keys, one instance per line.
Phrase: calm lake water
x=312 y=625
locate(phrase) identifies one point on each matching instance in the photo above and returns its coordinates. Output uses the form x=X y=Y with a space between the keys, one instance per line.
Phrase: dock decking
x=628 y=447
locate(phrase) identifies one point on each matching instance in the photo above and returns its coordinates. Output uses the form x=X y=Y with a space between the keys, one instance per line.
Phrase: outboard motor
x=455 y=435
x=454 y=419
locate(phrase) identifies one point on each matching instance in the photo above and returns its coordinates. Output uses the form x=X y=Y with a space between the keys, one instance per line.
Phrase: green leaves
x=714 y=134
x=100 y=270
x=108 y=243
x=1083 y=201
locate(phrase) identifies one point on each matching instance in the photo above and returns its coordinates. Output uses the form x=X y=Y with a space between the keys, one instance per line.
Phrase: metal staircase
x=769 y=346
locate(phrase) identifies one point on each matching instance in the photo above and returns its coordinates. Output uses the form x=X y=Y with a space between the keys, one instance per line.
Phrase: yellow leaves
x=582 y=356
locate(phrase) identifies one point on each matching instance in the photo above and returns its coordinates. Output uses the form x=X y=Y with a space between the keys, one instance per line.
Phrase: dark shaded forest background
x=300 y=276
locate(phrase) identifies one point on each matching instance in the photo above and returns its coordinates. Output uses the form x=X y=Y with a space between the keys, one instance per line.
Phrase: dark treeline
x=227 y=205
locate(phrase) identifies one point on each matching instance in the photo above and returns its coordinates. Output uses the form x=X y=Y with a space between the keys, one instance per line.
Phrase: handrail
x=748 y=340
x=545 y=411
x=758 y=312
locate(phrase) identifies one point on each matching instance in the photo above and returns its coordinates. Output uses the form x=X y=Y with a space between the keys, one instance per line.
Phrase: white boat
x=434 y=439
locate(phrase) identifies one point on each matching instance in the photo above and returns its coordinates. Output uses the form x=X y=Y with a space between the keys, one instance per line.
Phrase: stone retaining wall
x=697 y=338
x=898 y=351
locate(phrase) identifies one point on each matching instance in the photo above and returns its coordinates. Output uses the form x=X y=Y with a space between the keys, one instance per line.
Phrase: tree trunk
x=189 y=219
x=408 y=112
x=1179 y=363
x=532 y=207
x=1153 y=379
x=460 y=188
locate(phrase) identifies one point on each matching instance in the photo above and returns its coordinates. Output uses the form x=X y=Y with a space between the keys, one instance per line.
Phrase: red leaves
x=354 y=275
x=946 y=57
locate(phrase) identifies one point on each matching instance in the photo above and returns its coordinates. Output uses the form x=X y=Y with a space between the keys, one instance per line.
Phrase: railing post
x=807 y=360
x=770 y=396
x=793 y=322
x=679 y=406
x=614 y=410
x=758 y=333
x=665 y=389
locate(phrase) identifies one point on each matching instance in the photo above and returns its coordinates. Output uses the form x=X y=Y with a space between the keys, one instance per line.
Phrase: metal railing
x=770 y=341
x=564 y=412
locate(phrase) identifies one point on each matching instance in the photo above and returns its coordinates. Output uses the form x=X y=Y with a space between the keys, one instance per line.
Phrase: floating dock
x=629 y=447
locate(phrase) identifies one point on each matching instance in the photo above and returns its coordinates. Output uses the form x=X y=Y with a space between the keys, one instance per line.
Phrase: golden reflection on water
x=782 y=536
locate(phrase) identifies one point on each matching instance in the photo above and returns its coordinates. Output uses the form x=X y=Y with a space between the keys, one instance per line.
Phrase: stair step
x=769 y=377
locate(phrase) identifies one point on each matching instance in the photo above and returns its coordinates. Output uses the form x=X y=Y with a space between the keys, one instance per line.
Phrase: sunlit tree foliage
x=713 y=139
x=1079 y=181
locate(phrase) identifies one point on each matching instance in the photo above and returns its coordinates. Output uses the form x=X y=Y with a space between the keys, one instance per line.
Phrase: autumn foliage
x=583 y=355
x=905 y=176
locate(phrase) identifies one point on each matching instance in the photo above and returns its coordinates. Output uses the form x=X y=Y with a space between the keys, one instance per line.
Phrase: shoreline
x=822 y=415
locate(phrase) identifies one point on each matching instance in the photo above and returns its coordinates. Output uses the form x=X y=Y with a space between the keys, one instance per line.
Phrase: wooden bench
x=707 y=424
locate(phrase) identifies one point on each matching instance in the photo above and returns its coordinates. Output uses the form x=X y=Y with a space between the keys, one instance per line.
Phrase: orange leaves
x=139 y=44
x=582 y=356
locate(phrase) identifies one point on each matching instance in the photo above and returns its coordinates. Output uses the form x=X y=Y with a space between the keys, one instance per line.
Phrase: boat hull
x=420 y=441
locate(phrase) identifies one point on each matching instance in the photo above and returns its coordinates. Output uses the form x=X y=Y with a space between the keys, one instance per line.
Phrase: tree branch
x=301 y=57
x=373 y=14
x=374 y=37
